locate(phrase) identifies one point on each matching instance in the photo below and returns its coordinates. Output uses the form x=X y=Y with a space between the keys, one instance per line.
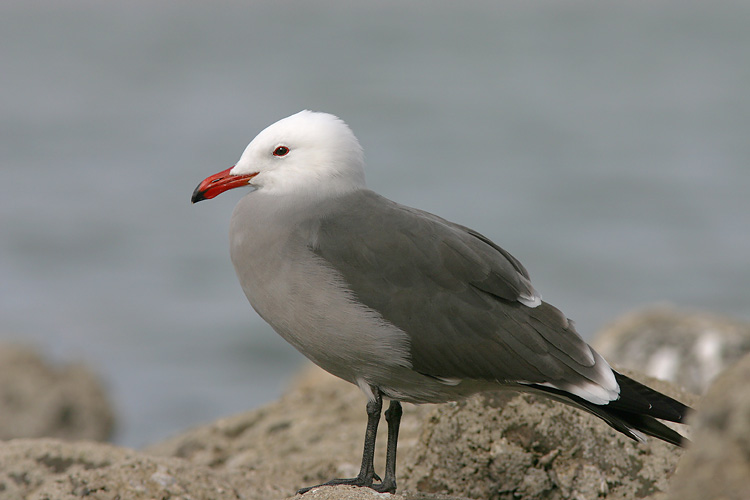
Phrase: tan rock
x=43 y=469
x=486 y=447
x=41 y=399
x=314 y=433
x=688 y=348
x=717 y=466
x=509 y=446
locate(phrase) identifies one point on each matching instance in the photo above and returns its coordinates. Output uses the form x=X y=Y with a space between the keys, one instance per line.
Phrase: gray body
x=387 y=296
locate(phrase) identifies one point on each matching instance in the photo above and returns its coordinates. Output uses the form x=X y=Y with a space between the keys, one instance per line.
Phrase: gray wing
x=460 y=298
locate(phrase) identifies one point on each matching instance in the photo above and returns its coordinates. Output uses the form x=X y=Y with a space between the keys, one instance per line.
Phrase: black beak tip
x=197 y=195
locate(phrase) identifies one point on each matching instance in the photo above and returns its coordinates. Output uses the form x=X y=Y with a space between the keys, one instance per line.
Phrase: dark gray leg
x=367 y=469
x=393 y=417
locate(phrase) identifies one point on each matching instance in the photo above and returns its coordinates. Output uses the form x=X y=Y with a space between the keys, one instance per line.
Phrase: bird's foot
x=386 y=486
x=359 y=481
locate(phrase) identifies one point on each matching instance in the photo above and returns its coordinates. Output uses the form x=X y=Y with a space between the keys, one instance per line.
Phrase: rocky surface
x=49 y=469
x=509 y=446
x=41 y=399
x=502 y=445
x=492 y=446
x=312 y=434
x=717 y=466
x=688 y=348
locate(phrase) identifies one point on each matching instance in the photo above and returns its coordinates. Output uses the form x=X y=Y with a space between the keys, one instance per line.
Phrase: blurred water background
x=604 y=144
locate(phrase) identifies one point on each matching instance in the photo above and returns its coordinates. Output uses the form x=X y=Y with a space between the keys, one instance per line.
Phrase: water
x=605 y=146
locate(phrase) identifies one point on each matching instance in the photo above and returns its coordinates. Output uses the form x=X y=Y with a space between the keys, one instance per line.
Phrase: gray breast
x=305 y=300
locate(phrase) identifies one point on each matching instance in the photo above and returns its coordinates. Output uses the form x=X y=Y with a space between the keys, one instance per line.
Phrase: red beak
x=213 y=186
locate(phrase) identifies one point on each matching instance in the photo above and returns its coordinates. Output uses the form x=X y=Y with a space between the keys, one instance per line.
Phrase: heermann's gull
x=400 y=302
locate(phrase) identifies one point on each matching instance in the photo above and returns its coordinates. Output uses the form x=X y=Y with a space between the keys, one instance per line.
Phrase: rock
x=39 y=399
x=717 y=465
x=499 y=445
x=314 y=433
x=684 y=347
x=353 y=493
x=509 y=446
x=46 y=469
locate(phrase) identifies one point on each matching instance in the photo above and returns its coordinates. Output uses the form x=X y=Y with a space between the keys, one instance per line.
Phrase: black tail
x=636 y=410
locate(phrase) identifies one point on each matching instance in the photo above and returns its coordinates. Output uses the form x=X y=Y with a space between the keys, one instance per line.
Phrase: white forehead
x=307 y=129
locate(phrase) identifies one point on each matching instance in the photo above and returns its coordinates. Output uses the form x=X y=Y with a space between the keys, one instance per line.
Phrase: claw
x=355 y=481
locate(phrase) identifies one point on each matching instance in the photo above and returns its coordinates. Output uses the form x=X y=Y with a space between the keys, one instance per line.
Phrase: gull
x=400 y=302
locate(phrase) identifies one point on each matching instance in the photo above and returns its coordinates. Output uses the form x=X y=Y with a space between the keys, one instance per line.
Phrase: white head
x=305 y=152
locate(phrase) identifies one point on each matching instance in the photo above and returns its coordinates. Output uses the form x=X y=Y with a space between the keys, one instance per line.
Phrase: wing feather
x=458 y=296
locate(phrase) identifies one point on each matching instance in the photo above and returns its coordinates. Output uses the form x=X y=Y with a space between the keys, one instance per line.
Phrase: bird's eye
x=281 y=151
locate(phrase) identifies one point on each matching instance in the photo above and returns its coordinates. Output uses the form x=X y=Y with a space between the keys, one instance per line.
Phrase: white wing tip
x=590 y=391
x=532 y=301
